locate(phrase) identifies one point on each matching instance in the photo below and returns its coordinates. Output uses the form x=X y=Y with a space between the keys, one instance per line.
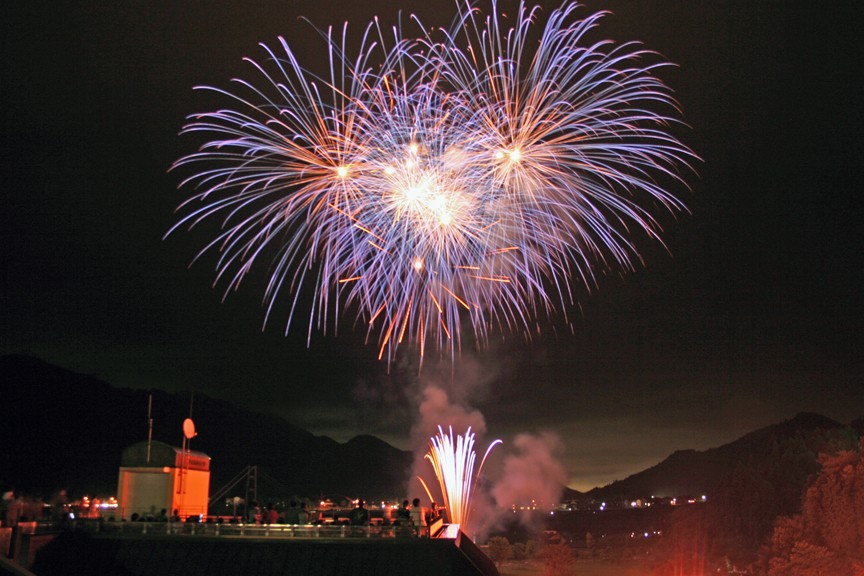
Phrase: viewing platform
x=223 y=549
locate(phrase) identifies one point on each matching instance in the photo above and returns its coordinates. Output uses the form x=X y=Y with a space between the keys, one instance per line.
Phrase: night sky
x=754 y=313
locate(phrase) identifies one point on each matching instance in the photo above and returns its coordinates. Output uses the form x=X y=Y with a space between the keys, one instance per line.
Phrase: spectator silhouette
x=403 y=514
x=418 y=517
x=359 y=515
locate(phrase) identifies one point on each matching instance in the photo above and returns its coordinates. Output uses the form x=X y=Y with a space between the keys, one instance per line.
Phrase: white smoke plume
x=444 y=393
x=533 y=474
x=531 y=470
x=437 y=410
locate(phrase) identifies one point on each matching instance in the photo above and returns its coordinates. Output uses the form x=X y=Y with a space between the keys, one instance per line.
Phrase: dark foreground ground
x=86 y=554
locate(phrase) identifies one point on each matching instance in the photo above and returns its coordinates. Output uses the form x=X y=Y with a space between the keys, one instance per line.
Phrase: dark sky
x=753 y=314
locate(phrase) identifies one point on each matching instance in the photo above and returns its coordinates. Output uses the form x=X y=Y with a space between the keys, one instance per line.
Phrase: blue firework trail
x=461 y=178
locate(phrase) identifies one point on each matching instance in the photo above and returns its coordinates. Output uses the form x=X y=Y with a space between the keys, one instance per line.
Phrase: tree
x=499 y=549
x=558 y=560
x=519 y=551
x=827 y=537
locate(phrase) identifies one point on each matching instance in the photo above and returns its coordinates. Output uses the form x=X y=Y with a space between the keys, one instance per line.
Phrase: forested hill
x=752 y=484
x=790 y=447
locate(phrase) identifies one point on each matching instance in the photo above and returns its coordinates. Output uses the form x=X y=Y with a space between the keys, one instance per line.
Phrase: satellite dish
x=189 y=428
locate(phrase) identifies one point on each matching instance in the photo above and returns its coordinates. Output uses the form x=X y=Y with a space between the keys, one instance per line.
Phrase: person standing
x=302 y=514
x=403 y=514
x=359 y=515
x=272 y=514
x=291 y=514
x=418 y=518
x=5 y=503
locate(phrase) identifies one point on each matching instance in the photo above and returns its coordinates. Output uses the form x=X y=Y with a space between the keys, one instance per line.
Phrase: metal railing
x=328 y=531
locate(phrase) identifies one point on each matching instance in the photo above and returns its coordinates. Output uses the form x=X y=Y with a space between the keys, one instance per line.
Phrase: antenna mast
x=149 y=424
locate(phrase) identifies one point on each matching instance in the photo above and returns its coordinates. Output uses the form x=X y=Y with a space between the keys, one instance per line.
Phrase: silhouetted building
x=163 y=477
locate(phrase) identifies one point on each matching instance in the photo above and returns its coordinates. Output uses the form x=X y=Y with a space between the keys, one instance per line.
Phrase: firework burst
x=453 y=458
x=460 y=177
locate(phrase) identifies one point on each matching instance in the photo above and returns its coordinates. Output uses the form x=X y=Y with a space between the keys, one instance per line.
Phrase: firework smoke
x=525 y=470
x=532 y=474
x=436 y=410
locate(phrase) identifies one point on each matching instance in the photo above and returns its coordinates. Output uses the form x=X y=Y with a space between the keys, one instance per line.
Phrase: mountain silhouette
x=694 y=473
x=61 y=429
